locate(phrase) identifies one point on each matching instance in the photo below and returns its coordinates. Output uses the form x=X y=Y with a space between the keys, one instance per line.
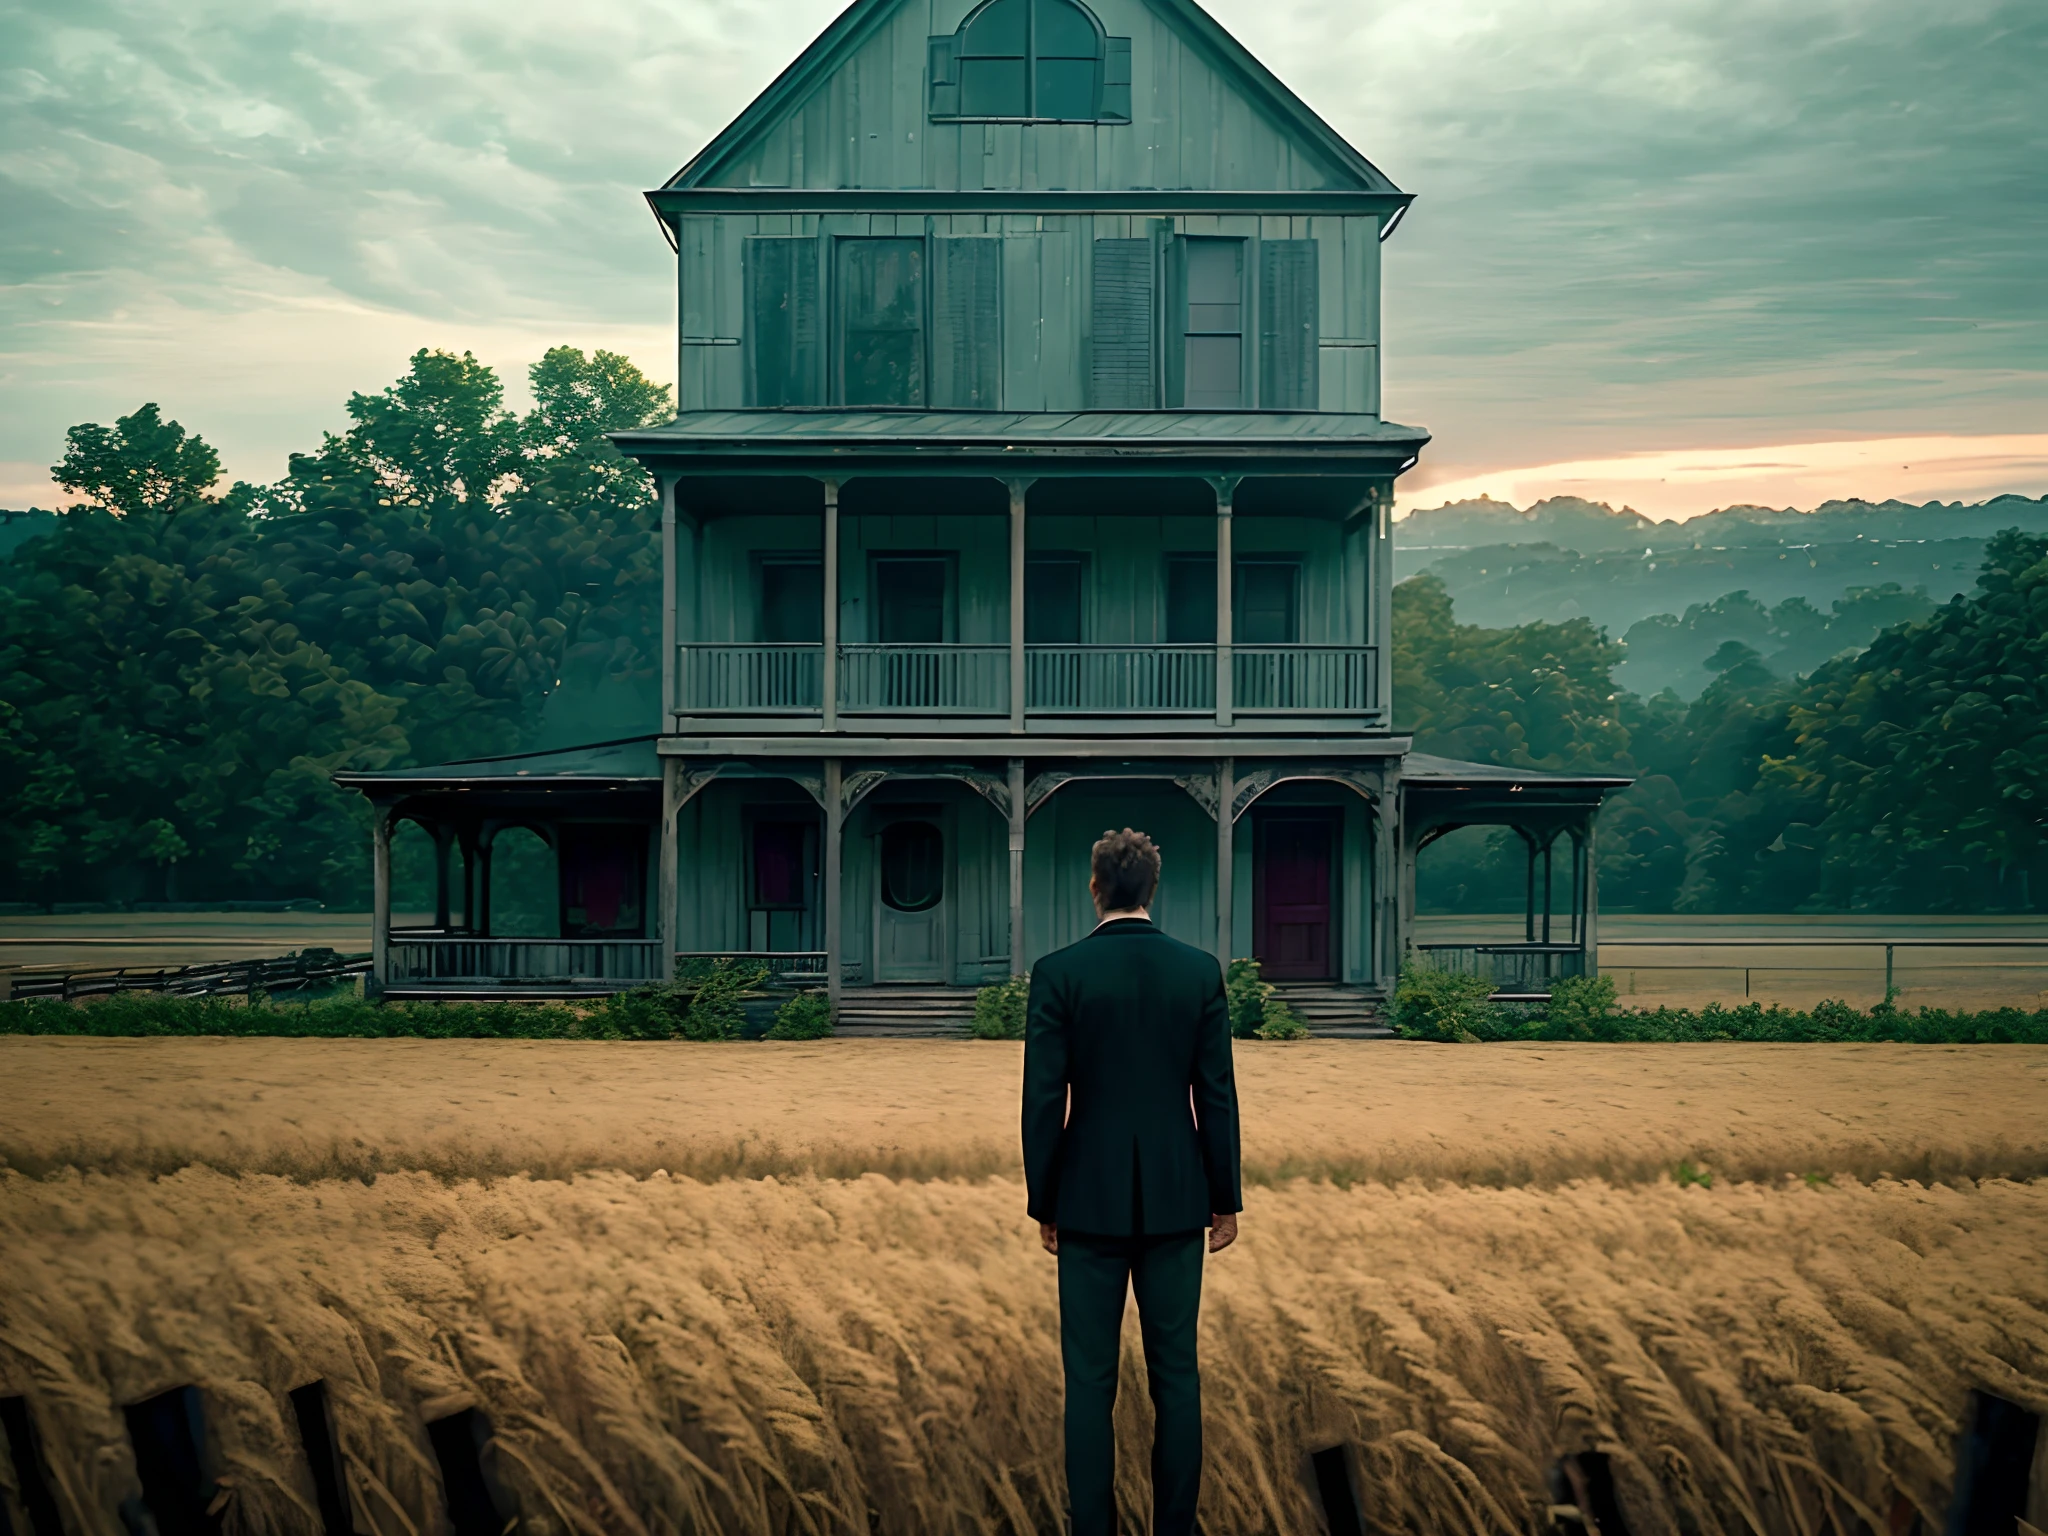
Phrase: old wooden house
x=1029 y=478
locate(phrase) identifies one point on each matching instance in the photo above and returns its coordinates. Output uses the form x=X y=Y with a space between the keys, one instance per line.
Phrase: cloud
x=1676 y=484
x=1699 y=223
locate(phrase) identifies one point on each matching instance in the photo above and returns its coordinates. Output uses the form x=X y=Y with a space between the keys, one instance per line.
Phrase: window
x=1031 y=61
x=793 y=600
x=603 y=870
x=913 y=866
x=1265 y=601
x=781 y=292
x=1190 y=599
x=910 y=600
x=1052 y=600
x=785 y=857
x=1214 y=333
x=881 y=322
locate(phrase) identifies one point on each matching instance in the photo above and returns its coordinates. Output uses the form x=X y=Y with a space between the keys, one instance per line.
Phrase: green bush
x=1280 y=1022
x=1246 y=997
x=999 y=1009
x=807 y=1016
x=1435 y=1004
x=1580 y=1008
x=718 y=1000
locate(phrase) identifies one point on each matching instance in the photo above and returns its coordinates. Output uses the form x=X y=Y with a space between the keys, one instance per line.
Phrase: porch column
x=442 y=915
x=1386 y=834
x=484 y=838
x=466 y=841
x=1589 y=924
x=1017 y=823
x=668 y=603
x=380 y=897
x=1226 y=792
x=1529 y=888
x=835 y=830
x=1549 y=843
x=1018 y=491
x=666 y=905
x=1226 y=491
x=1382 y=576
x=1404 y=894
x=828 y=662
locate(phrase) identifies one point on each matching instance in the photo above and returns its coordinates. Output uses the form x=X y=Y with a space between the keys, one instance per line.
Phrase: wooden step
x=1334 y=1012
x=905 y=1010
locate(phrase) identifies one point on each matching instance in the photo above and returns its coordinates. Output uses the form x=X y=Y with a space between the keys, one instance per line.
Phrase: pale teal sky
x=1641 y=227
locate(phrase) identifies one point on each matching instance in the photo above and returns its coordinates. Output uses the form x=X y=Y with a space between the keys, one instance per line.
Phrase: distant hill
x=1844 y=566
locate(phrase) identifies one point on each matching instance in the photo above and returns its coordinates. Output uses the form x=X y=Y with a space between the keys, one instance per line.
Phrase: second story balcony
x=1059 y=606
x=961 y=682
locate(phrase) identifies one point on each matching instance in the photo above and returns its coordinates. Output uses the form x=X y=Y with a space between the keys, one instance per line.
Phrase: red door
x=1291 y=884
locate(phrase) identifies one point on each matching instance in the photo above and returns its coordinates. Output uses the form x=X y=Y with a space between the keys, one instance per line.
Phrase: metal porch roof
x=631 y=761
x=1093 y=435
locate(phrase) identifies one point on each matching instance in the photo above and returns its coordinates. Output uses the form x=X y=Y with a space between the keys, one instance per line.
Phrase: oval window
x=913 y=869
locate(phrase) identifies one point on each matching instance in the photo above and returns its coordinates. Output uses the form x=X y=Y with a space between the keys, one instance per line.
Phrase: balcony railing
x=566 y=962
x=974 y=680
x=1305 y=679
x=750 y=679
x=1523 y=968
x=1120 y=679
x=924 y=679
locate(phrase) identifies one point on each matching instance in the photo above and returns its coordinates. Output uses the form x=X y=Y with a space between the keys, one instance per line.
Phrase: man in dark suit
x=1130 y=1151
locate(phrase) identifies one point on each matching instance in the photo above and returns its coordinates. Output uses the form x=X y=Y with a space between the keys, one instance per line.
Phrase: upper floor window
x=1043 y=61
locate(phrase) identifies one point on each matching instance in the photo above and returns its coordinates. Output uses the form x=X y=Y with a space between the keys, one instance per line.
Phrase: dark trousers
x=1166 y=1273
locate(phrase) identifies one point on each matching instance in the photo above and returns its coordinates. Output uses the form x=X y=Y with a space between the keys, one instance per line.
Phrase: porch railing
x=750 y=679
x=793 y=968
x=1120 y=679
x=412 y=958
x=1305 y=679
x=969 y=680
x=1510 y=967
x=924 y=679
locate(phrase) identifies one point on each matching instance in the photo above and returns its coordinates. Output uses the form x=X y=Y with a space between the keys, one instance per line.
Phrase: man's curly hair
x=1126 y=869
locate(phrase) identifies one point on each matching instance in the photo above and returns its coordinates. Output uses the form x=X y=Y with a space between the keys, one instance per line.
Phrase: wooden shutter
x=1120 y=367
x=782 y=321
x=945 y=82
x=967 y=323
x=1289 y=364
x=1116 y=80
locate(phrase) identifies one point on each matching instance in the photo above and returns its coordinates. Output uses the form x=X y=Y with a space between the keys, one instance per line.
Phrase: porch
x=1053 y=597
x=1554 y=816
x=904 y=884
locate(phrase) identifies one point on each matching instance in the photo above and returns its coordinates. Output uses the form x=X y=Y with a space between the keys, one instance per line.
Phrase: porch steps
x=1336 y=1013
x=904 y=1011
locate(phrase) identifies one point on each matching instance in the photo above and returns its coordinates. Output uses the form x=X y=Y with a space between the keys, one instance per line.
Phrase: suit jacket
x=1133 y=1025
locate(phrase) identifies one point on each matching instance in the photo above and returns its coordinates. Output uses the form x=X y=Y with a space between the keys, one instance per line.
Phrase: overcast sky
x=1677 y=253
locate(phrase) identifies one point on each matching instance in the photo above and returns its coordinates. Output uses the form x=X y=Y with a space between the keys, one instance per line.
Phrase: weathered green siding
x=1047 y=298
x=1192 y=126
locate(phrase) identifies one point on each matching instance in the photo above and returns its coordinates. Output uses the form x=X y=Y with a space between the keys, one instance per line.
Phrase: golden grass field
x=791 y=1288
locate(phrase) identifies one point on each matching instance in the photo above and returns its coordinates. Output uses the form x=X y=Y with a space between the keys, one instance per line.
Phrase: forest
x=183 y=666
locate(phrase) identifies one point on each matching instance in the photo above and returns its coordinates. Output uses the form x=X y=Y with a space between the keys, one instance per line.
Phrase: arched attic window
x=1031 y=61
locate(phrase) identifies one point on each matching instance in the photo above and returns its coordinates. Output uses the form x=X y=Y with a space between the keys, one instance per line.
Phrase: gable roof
x=859 y=21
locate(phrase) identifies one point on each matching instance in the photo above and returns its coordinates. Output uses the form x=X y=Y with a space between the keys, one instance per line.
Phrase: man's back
x=1133 y=1024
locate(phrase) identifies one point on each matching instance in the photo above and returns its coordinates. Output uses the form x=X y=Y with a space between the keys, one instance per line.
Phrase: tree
x=141 y=464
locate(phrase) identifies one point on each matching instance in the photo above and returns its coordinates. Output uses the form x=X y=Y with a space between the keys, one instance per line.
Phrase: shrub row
x=1428 y=1005
x=1431 y=1004
x=707 y=1006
